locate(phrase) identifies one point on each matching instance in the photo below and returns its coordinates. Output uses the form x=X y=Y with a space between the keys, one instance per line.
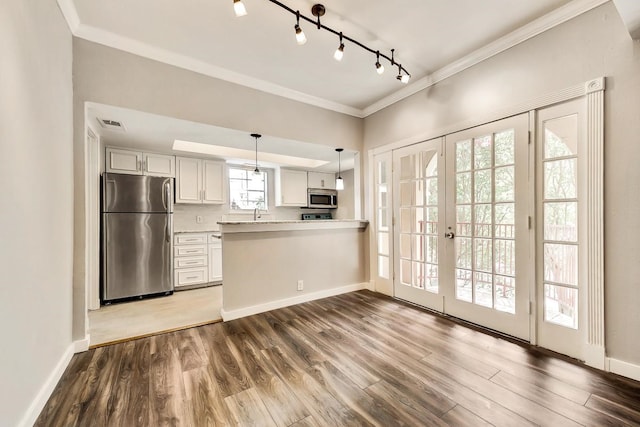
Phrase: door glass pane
x=483 y=187
x=505 y=257
x=405 y=220
x=431 y=220
x=418 y=247
x=561 y=305
x=505 y=220
x=505 y=184
x=483 y=220
x=418 y=275
x=483 y=254
x=505 y=294
x=561 y=221
x=463 y=252
x=431 y=277
x=463 y=187
x=505 y=148
x=561 y=263
x=405 y=246
x=560 y=179
x=431 y=249
x=463 y=156
x=482 y=152
x=383 y=243
x=463 y=285
x=382 y=220
x=561 y=137
x=483 y=289
x=405 y=272
x=406 y=194
x=383 y=266
x=463 y=220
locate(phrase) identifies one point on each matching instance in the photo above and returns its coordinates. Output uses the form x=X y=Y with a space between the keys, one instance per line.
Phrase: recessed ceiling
x=155 y=133
x=260 y=48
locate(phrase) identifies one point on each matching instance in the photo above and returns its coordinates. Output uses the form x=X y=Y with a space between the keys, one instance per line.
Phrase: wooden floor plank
x=353 y=359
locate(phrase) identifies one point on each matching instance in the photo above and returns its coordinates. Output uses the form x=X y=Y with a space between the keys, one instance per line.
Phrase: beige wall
x=109 y=76
x=36 y=169
x=265 y=267
x=592 y=45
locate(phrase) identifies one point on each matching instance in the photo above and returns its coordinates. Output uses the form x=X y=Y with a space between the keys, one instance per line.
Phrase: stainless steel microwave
x=320 y=198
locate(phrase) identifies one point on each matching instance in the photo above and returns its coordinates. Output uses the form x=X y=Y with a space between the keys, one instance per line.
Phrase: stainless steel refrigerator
x=137 y=230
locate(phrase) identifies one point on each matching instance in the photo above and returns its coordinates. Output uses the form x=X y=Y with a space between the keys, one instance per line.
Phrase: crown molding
x=629 y=11
x=548 y=21
x=522 y=34
x=68 y=9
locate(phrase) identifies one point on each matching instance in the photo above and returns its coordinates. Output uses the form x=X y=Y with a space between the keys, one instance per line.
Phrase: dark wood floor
x=354 y=359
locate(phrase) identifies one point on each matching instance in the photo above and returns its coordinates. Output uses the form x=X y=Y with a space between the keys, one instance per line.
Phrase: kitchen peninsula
x=273 y=264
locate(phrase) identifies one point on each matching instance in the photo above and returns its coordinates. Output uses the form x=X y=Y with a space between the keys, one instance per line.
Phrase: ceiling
x=259 y=50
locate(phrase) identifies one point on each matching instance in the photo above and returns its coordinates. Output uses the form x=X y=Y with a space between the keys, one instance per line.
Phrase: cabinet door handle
x=191 y=277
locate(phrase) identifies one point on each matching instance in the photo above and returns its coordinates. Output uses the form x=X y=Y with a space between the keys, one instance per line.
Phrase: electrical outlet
x=300 y=285
x=199 y=219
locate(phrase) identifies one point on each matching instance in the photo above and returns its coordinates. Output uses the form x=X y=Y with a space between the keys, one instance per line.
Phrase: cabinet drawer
x=191 y=276
x=189 y=250
x=192 y=261
x=190 y=239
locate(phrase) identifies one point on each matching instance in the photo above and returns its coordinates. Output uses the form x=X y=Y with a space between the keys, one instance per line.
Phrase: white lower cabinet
x=190 y=262
x=215 y=258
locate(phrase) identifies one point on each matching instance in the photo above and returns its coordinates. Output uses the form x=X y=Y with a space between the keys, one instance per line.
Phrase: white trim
x=145 y=50
x=546 y=100
x=92 y=219
x=595 y=332
x=286 y=302
x=82 y=345
x=625 y=369
x=68 y=9
x=522 y=34
x=532 y=29
x=371 y=285
x=32 y=413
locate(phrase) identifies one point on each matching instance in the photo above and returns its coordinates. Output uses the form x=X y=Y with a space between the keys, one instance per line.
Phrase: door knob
x=449 y=235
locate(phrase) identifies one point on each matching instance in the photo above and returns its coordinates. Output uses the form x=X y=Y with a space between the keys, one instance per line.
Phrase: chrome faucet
x=256 y=214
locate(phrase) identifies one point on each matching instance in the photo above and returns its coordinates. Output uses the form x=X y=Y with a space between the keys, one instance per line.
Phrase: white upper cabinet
x=139 y=163
x=159 y=165
x=200 y=181
x=214 y=182
x=321 y=180
x=124 y=161
x=291 y=188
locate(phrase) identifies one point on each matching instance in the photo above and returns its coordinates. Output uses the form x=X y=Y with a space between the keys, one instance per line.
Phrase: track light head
x=405 y=78
x=300 y=37
x=339 y=53
x=379 y=66
x=238 y=8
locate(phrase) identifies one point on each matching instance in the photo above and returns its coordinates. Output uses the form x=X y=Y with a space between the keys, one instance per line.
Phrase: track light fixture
x=339 y=180
x=239 y=8
x=256 y=136
x=319 y=10
x=339 y=51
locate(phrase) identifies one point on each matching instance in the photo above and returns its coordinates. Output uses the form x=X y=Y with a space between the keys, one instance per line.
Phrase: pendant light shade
x=256 y=136
x=238 y=8
x=339 y=180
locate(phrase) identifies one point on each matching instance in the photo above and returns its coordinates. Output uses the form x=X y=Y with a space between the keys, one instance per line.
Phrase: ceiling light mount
x=256 y=136
x=318 y=10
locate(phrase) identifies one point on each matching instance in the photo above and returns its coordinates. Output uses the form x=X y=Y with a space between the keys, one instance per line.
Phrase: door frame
x=593 y=90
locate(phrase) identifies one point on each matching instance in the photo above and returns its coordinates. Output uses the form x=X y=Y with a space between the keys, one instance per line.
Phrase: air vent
x=111 y=125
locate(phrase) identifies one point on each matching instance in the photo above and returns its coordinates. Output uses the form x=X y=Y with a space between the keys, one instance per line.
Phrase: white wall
x=36 y=210
x=592 y=45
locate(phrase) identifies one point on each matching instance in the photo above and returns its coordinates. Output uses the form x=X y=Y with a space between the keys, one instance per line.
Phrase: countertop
x=196 y=231
x=289 y=225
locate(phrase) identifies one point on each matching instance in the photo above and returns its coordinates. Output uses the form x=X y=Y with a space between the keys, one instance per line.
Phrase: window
x=247 y=189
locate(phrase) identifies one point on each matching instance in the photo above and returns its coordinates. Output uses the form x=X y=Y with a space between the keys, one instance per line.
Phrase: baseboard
x=81 y=345
x=47 y=388
x=595 y=356
x=625 y=369
x=371 y=285
x=273 y=305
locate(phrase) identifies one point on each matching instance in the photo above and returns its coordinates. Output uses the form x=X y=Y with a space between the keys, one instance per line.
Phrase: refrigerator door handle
x=169 y=227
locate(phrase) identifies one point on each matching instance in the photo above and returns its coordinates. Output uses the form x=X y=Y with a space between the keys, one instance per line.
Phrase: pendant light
x=256 y=136
x=339 y=180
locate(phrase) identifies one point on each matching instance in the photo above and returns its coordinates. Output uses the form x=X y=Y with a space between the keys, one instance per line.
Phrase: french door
x=462 y=225
x=419 y=219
